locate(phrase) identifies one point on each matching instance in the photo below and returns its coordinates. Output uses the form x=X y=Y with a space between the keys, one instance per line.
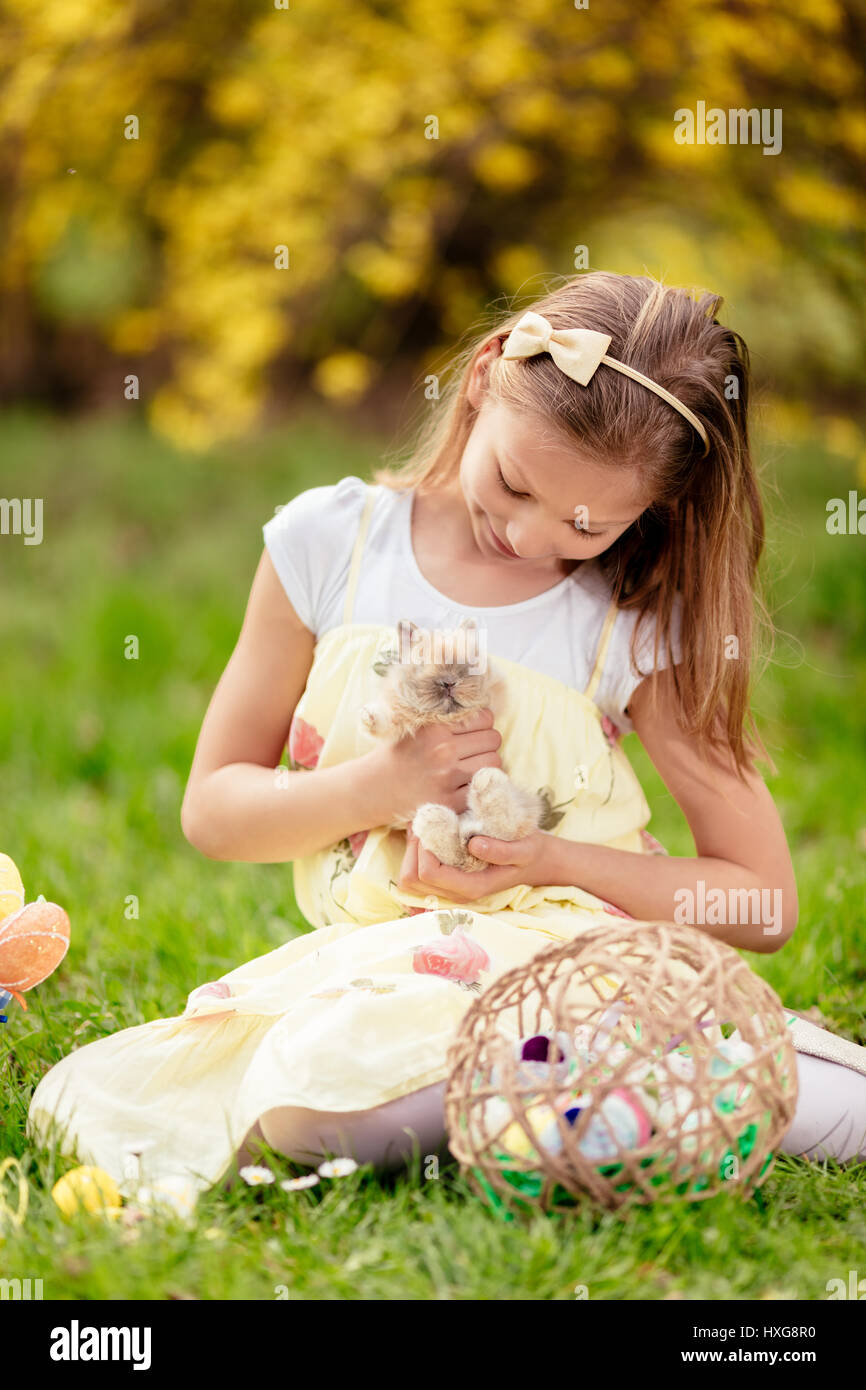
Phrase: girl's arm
x=241 y=804
x=739 y=841
x=236 y=806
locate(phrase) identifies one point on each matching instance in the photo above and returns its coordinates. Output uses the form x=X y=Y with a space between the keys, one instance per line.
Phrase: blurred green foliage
x=418 y=162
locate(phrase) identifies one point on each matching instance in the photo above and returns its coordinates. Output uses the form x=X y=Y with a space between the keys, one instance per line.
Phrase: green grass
x=94 y=753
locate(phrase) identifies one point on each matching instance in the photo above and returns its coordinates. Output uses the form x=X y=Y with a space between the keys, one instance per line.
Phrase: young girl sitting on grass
x=587 y=495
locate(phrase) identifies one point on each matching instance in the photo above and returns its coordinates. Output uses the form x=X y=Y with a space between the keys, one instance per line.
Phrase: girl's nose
x=527 y=541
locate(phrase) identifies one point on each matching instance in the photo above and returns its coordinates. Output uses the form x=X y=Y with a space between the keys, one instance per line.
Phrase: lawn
x=94 y=753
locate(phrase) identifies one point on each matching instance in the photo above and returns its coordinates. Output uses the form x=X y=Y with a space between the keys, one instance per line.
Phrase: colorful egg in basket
x=625 y=1067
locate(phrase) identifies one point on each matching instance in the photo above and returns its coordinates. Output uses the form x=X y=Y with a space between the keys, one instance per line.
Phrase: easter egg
x=584 y=1040
x=592 y=1039
x=681 y=1065
x=619 y=1122
x=571 y=1103
x=495 y=1116
x=517 y=1142
x=551 y=1137
x=540 y=1047
x=729 y=1056
x=515 y=1138
x=11 y=887
x=33 y=942
x=537 y=1061
x=86 y=1189
x=727 y=1059
x=631 y=1114
x=674 y=1102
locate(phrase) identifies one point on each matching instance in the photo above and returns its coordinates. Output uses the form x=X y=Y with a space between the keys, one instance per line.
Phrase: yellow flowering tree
x=215 y=197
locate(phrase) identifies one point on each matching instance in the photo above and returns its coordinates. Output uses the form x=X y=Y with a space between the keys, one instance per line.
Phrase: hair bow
x=578 y=352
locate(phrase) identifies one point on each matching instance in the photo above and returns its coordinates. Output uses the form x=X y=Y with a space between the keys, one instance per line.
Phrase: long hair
x=702 y=537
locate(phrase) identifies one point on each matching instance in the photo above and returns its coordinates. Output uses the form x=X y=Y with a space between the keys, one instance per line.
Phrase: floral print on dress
x=458 y=958
x=384 y=659
x=365 y=983
x=206 y=994
x=345 y=854
x=452 y=956
x=553 y=811
x=305 y=745
x=610 y=730
x=219 y=989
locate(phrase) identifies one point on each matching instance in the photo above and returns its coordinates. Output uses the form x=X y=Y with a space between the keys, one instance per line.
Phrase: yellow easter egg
x=12 y=1183
x=11 y=887
x=86 y=1189
x=515 y=1138
x=515 y=1141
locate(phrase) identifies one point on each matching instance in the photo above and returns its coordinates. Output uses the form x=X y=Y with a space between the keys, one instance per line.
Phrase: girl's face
x=533 y=499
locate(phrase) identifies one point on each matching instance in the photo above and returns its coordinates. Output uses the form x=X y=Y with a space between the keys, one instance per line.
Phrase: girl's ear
x=477 y=387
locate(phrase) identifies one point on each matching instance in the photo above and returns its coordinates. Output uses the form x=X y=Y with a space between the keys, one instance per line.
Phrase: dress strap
x=603 y=644
x=355 y=565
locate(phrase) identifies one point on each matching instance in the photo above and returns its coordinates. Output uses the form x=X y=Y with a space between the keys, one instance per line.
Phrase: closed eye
x=510 y=490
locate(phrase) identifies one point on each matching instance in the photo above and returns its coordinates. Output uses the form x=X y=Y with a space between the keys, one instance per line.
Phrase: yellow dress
x=362 y=1009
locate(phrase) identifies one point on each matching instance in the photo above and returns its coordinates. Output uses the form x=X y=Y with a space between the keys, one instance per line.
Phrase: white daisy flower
x=297 y=1184
x=175 y=1194
x=337 y=1168
x=255 y=1175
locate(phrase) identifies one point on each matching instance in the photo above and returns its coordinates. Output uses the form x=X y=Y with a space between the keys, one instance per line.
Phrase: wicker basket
x=626 y=1066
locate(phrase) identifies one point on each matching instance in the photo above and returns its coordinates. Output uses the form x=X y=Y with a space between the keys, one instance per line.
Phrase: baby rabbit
x=421 y=691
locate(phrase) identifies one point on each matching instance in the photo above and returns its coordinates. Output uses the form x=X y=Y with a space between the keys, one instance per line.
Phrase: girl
x=587 y=495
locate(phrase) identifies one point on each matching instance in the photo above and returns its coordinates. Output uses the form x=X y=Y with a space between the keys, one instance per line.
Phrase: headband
x=578 y=352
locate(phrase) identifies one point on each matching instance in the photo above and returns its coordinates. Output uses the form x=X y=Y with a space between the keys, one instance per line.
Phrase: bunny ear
x=467 y=622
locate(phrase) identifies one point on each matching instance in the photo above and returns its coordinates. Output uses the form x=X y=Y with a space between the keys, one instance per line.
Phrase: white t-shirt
x=310 y=542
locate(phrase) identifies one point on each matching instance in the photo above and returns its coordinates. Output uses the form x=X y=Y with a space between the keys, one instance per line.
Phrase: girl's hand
x=511 y=862
x=436 y=764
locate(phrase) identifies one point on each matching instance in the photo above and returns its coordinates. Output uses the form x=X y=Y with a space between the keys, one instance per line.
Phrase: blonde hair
x=703 y=535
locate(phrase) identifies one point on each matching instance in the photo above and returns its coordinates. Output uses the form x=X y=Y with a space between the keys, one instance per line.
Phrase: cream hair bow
x=579 y=352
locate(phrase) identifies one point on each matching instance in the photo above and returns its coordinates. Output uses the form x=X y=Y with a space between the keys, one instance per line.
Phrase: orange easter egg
x=33 y=942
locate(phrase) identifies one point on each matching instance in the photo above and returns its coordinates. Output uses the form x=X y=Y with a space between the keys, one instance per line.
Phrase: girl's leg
x=830 y=1120
x=249 y=1152
x=385 y=1136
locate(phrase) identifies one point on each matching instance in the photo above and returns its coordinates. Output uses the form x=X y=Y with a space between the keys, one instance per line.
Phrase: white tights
x=830 y=1122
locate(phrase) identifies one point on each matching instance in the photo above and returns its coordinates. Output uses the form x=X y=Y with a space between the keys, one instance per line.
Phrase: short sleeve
x=619 y=678
x=309 y=541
